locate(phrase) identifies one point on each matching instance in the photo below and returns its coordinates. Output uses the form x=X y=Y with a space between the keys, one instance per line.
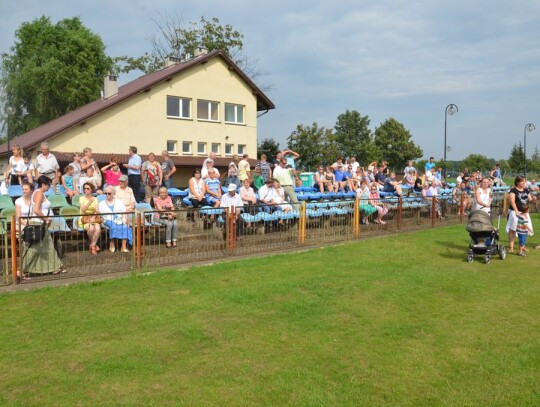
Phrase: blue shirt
x=340 y=175
x=135 y=159
x=429 y=166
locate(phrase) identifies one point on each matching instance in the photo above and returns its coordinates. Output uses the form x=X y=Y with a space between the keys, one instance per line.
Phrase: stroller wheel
x=470 y=258
x=487 y=258
x=502 y=252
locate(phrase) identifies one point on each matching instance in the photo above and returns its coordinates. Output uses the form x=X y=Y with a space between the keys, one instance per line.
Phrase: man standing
x=264 y=166
x=134 y=173
x=244 y=170
x=211 y=157
x=409 y=167
x=47 y=164
x=430 y=164
x=167 y=169
x=285 y=178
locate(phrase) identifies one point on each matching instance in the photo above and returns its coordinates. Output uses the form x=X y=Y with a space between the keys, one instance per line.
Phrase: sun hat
x=232 y=187
x=123 y=178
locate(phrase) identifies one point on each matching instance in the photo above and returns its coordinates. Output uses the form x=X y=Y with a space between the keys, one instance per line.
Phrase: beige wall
x=142 y=120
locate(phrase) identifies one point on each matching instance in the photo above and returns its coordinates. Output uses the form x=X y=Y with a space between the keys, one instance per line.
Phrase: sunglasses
x=86 y=188
x=108 y=193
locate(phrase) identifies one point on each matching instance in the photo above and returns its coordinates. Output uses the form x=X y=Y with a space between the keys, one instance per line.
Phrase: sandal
x=173 y=244
x=168 y=245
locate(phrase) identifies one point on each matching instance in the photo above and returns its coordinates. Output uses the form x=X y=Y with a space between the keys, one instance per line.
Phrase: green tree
x=268 y=146
x=175 y=38
x=314 y=144
x=517 y=158
x=353 y=137
x=395 y=143
x=52 y=69
x=533 y=165
x=476 y=162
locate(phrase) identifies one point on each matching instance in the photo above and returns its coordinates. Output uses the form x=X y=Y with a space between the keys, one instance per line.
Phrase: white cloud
x=384 y=58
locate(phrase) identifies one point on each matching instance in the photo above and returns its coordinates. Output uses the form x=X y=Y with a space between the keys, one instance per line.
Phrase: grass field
x=402 y=320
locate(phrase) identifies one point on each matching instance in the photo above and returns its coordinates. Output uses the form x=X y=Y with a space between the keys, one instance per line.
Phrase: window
x=241 y=149
x=207 y=110
x=216 y=148
x=229 y=149
x=201 y=148
x=178 y=107
x=171 y=146
x=234 y=113
x=186 y=147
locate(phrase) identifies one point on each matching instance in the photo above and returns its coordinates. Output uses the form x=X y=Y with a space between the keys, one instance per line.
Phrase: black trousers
x=134 y=182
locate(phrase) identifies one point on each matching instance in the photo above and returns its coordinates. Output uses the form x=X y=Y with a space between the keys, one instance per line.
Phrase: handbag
x=34 y=233
x=92 y=219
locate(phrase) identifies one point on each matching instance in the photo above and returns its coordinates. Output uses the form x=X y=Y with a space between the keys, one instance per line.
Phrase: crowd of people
x=270 y=184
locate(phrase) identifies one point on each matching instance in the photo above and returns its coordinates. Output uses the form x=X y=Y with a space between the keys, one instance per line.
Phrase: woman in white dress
x=484 y=196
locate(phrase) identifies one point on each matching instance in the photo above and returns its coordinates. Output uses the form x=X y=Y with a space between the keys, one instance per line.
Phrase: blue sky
x=384 y=58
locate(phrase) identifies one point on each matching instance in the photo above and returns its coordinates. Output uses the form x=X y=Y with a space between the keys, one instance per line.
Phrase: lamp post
x=451 y=109
x=529 y=127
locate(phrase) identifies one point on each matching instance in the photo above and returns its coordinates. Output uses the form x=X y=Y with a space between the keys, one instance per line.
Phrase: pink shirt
x=111 y=178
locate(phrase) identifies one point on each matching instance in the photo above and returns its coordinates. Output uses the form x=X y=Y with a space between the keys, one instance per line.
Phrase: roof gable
x=143 y=84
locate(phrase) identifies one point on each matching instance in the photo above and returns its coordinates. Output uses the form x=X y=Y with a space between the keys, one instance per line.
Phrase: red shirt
x=111 y=177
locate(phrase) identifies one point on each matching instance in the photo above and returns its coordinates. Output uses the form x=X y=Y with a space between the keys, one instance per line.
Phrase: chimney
x=200 y=51
x=170 y=61
x=110 y=86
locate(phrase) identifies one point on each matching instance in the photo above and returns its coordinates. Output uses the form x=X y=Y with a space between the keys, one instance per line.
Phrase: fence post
x=505 y=203
x=461 y=209
x=302 y=225
x=232 y=230
x=139 y=240
x=356 y=218
x=433 y=211
x=399 y=212
x=14 y=249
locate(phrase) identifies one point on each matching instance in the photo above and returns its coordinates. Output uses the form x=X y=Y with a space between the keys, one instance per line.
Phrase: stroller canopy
x=479 y=221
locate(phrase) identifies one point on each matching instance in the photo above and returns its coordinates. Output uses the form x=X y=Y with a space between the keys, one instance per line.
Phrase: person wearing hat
x=206 y=169
x=125 y=193
x=233 y=199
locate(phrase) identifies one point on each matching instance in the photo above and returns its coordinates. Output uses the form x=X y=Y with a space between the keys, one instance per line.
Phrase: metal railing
x=203 y=234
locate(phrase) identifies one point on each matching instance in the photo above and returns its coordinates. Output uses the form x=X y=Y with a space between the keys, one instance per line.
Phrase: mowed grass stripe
x=402 y=320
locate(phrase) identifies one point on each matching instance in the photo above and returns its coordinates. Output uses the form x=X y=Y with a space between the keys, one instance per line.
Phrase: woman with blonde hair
x=15 y=164
x=88 y=220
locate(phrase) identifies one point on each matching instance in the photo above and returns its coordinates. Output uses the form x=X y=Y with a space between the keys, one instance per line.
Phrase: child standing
x=67 y=181
x=524 y=228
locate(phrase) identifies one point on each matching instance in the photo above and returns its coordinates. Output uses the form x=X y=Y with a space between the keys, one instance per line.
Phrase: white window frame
x=188 y=143
x=231 y=147
x=242 y=149
x=181 y=101
x=211 y=110
x=216 y=151
x=199 y=144
x=235 y=119
x=175 y=144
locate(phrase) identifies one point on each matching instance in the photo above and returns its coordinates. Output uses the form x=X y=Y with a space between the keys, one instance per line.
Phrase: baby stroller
x=484 y=237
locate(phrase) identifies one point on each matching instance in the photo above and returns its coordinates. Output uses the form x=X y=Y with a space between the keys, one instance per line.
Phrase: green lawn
x=401 y=320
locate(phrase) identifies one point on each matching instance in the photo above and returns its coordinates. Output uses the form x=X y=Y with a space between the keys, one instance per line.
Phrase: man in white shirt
x=265 y=194
x=230 y=199
x=211 y=157
x=47 y=164
x=207 y=167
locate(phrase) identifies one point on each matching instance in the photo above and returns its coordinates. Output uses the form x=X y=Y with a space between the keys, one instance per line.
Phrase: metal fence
x=195 y=235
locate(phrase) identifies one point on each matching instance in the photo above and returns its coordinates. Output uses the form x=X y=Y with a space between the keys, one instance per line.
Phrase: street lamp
x=451 y=109
x=528 y=128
